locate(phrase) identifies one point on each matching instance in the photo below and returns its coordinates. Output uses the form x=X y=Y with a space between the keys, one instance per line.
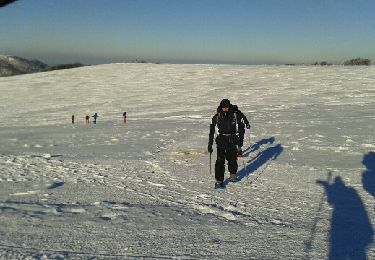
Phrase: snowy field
x=144 y=189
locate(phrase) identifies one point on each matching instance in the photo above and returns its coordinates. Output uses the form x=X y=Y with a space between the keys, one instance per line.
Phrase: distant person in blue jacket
x=95 y=116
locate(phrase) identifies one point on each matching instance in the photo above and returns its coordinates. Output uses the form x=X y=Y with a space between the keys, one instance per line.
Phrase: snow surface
x=144 y=189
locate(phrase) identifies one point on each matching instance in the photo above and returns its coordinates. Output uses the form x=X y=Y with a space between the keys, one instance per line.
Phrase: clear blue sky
x=189 y=31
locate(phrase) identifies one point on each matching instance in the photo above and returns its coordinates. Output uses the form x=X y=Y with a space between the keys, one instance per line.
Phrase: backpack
x=228 y=124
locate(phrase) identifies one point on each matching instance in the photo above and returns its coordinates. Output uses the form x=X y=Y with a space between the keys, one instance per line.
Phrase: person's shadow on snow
x=368 y=176
x=257 y=145
x=351 y=231
x=262 y=158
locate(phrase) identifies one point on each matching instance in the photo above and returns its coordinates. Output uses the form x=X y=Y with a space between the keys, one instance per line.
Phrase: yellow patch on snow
x=187 y=153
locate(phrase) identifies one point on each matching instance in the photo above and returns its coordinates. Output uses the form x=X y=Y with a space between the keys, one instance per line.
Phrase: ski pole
x=249 y=140
x=210 y=164
x=261 y=172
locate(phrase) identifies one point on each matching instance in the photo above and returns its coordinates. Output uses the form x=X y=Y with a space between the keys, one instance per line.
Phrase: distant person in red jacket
x=124 y=115
x=87 y=119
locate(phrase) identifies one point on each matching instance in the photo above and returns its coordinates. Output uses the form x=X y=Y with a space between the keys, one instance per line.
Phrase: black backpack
x=227 y=124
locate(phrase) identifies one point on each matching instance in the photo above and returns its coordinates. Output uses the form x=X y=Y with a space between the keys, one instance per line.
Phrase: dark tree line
x=358 y=61
x=351 y=62
x=323 y=63
x=64 y=66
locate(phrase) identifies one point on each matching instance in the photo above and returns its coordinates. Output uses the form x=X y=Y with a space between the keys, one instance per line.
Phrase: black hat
x=225 y=103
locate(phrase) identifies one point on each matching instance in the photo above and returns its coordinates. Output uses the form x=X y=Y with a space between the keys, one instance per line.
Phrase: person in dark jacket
x=95 y=116
x=228 y=141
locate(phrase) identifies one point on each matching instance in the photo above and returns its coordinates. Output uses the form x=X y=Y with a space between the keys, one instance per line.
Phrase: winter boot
x=219 y=185
x=233 y=177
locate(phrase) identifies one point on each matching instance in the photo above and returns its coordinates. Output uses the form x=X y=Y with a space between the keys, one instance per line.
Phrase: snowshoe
x=219 y=185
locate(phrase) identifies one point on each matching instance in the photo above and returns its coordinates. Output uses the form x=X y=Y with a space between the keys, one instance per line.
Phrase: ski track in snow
x=144 y=190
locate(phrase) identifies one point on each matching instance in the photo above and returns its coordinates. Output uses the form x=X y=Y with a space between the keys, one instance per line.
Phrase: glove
x=210 y=148
x=239 y=152
x=247 y=126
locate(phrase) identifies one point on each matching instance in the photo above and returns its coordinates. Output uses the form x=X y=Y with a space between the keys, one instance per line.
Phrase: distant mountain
x=12 y=65
x=6 y=2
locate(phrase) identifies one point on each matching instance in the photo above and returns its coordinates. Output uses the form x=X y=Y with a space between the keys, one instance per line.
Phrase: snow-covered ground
x=144 y=189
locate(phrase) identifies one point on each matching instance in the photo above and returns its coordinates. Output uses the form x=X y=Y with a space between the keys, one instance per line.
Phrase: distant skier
x=73 y=119
x=87 y=119
x=228 y=141
x=95 y=116
x=124 y=116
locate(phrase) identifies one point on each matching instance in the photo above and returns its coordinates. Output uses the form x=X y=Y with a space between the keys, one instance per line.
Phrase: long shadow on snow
x=257 y=145
x=351 y=231
x=55 y=185
x=264 y=157
x=368 y=176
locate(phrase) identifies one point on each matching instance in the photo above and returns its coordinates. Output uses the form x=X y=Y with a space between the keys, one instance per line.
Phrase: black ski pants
x=226 y=150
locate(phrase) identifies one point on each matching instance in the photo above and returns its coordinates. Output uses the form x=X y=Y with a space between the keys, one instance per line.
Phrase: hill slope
x=12 y=65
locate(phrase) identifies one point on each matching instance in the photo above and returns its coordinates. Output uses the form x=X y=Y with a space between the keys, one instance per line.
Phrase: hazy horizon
x=207 y=32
